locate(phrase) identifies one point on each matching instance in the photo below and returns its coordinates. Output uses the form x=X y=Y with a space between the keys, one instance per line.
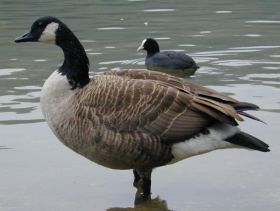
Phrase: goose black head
x=51 y=30
x=149 y=45
x=42 y=30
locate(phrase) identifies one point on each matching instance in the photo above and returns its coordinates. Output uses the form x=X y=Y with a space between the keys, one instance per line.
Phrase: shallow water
x=237 y=45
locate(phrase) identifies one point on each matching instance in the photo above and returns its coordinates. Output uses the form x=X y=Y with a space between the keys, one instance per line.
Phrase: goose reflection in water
x=155 y=204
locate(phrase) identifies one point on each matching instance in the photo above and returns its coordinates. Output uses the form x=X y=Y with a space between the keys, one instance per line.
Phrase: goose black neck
x=76 y=64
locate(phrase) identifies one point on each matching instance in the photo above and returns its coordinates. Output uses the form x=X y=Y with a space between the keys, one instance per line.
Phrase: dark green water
x=237 y=45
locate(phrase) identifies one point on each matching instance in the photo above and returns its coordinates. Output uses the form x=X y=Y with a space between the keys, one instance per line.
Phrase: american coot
x=172 y=62
x=133 y=119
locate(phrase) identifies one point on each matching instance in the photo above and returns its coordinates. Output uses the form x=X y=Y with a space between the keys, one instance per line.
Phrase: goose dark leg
x=136 y=179
x=146 y=187
x=142 y=181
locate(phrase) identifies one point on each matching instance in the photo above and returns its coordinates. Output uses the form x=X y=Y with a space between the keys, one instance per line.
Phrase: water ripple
x=9 y=71
x=275 y=56
x=159 y=10
x=198 y=35
x=110 y=28
x=263 y=21
x=225 y=52
x=271 y=68
x=263 y=76
x=28 y=88
x=126 y=62
x=162 y=38
x=208 y=70
x=205 y=32
x=39 y=60
x=252 y=35
x=186 y=45
x=20 y=104
x=87 y=41
x=110 y=47
x=223 y=12
x=203 y=59
x=239 y=62
x=95 y=53
x=177 y=50
x=257 y=47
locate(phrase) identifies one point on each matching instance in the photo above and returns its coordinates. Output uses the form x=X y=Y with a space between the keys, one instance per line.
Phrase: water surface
x=237 y=45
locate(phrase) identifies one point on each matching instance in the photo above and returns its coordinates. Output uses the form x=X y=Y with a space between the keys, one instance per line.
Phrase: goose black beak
x=27 y=37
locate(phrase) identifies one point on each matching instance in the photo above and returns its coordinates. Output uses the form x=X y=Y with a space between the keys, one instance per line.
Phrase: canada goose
x=133 y=119
x=171 y=62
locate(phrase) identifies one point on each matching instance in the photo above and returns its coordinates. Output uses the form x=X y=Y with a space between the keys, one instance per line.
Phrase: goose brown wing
x=203 y=93
x=215 y=104
x=174 y=81
x=149 y=106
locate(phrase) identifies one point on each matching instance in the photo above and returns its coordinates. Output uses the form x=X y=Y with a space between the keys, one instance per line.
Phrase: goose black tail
x=246 y=140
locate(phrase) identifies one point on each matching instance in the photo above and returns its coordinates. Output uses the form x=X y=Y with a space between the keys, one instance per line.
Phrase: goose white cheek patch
x=49 y=34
